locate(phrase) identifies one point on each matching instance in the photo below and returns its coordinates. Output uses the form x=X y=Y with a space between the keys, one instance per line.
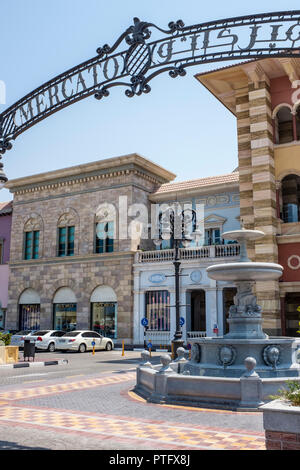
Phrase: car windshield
x=38 y=333
x=72 y=333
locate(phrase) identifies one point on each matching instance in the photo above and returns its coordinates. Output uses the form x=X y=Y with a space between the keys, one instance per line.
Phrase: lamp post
x=178 y=235
x=3 y=177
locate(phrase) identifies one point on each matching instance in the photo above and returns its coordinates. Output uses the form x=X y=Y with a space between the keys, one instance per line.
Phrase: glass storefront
x=158 y=310
x=29 y=318
x=64 y=316
x=104 y=318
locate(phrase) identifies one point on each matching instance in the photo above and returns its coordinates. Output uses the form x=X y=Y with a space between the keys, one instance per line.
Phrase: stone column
x=245 y=164
x=264 y=194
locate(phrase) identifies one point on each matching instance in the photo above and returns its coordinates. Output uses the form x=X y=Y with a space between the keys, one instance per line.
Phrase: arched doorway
x=104 y=311
x=64 y=310
x=29 y=310
x=198 y=311
x=290 y=189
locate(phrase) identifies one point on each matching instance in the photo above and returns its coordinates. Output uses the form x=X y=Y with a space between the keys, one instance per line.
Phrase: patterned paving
x=25 y=393
x=136 y=431
x=173 y=434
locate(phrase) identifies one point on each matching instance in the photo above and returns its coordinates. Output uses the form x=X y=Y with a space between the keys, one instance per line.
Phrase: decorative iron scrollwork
x=178 y=47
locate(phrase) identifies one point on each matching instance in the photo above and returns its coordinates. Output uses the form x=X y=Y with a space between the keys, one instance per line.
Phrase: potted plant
x=282 y=419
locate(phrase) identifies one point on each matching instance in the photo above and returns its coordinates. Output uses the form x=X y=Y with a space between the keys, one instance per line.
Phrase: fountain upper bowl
x=245 y=271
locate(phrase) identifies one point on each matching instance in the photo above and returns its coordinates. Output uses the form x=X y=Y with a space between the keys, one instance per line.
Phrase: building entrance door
x=198 y=311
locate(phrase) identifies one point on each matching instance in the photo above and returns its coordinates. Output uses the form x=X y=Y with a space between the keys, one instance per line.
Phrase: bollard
x=123 y=348
x=172 y=351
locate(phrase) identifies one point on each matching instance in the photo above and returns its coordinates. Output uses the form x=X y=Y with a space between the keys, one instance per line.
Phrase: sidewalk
x=41 y=359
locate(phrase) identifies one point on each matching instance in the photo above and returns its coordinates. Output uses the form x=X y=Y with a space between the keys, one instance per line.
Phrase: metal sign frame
x=177 y=48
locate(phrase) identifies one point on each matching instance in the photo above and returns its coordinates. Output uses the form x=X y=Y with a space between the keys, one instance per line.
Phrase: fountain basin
x=245 y=271
x=224 y=357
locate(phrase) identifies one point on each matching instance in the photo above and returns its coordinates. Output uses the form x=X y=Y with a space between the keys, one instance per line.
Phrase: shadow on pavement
x=6 y=445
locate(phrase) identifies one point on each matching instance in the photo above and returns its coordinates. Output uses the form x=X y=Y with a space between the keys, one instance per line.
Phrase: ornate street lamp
x=177 y=234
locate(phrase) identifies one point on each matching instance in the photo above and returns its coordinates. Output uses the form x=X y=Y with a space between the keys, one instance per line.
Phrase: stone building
x=63 y=273
x=204 y=302
x=5 y=234
x=264 y=95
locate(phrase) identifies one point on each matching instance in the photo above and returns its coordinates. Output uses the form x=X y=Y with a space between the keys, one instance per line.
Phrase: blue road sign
x=149 y=345
x=93 y=343
x=144 y=322
x=181 y=321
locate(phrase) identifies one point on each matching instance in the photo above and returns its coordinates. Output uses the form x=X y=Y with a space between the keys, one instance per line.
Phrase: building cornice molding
x=89 y=258
x=102 y=169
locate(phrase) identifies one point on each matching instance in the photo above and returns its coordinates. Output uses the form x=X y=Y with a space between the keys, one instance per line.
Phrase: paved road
x=90 y=404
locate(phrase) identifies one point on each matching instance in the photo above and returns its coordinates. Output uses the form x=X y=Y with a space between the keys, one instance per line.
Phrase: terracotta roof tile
x=199 y=183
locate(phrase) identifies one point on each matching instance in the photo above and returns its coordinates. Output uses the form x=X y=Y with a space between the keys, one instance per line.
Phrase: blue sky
x=179 y=125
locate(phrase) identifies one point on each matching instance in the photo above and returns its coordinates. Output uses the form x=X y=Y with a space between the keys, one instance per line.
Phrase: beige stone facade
x=44 y=201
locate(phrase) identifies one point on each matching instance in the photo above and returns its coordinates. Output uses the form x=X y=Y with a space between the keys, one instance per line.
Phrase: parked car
x=81 y=341
x=45 y=339
x=18 y=338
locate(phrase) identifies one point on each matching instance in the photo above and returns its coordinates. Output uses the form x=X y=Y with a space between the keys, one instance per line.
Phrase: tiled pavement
x=22 y=408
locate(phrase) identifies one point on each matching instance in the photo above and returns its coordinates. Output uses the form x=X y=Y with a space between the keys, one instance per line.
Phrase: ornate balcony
x=205 y=252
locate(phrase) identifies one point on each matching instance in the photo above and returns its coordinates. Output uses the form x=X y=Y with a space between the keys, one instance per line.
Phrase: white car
x=18 y=338
x=83 y=340
x=45 y=339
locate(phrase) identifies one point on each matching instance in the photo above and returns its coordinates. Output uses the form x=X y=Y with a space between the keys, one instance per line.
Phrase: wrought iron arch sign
x=178 y=47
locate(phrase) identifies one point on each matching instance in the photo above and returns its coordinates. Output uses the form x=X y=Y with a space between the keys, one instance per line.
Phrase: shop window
x=64 y=316
x=66 y=236
x=290 y=188
x=29 y=317
x=104 y=318
x=31 y=244
x=104 y=237
x=284 y=132
x=158 y=310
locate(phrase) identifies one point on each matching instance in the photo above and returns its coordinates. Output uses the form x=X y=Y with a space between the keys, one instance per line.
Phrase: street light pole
x=177 y=340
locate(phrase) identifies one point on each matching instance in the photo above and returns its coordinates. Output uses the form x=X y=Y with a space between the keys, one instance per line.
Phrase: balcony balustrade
x=204 y=252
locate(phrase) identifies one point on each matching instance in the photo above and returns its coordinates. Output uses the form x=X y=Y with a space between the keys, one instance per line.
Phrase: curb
x=20 y=365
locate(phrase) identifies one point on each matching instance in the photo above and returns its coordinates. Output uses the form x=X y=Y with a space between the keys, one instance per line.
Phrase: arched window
x=104 y=311
x=29 y=310
x=105 y=229
x=284 y=131
x=66 y=235
x=290 y=188
x=32 y=238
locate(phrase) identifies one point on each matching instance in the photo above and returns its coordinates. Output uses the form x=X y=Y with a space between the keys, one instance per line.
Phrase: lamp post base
x=176 y=343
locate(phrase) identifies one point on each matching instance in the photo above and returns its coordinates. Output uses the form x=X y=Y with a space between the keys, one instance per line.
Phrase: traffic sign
x=149 y=345
x=144 y=322
x=181 y=321
x=93 y=343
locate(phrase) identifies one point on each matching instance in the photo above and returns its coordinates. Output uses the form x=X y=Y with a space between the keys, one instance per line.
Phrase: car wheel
x=82 y=348
x=51 y=347
x=108 y=346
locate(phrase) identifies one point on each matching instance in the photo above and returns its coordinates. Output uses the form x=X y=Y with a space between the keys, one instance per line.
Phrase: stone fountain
x=240 y=369
x=224 y=356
